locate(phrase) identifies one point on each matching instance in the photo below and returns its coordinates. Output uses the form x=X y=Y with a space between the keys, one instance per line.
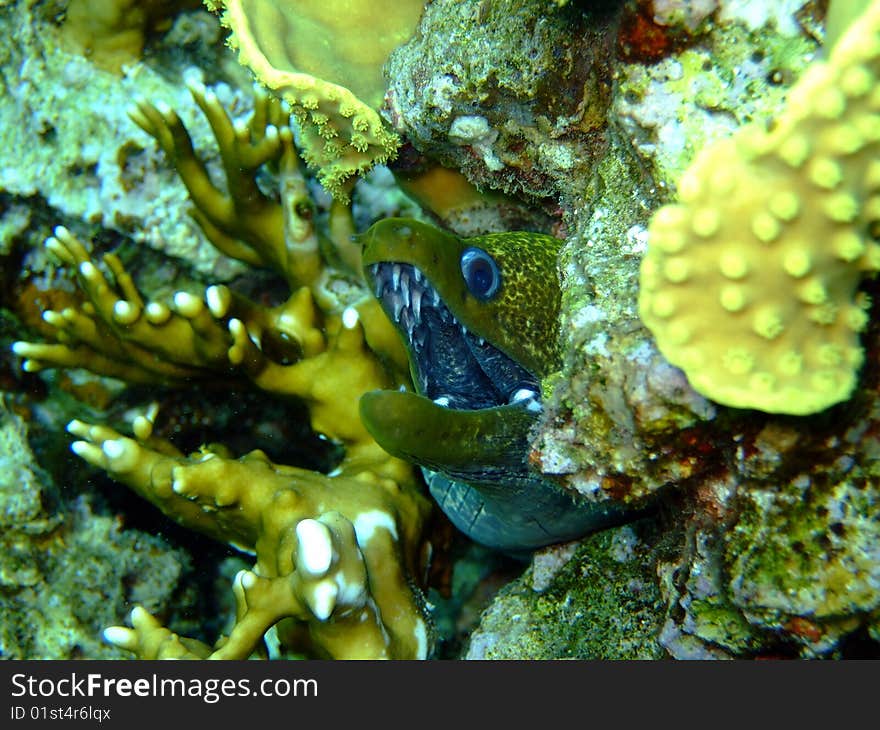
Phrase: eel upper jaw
x=454 y=367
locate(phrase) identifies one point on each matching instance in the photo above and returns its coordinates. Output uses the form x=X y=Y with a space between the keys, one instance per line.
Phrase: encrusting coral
x=318 y=58
x=750 y=281
x=337 y=555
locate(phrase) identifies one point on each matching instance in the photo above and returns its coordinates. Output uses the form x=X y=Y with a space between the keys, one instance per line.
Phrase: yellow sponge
x=750 y=281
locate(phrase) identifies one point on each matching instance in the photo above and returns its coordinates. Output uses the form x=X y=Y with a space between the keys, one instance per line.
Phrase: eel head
x=480 y=321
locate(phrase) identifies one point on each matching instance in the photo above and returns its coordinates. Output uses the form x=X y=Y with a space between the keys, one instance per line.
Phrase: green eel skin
x=475 y=458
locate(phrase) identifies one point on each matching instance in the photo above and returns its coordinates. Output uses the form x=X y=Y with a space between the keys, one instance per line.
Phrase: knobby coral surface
x=750 y=281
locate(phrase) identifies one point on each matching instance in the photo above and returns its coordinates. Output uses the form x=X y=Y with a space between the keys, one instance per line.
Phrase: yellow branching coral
x=750 y=280
x=242 y=221
x=336 y=554
x=325 y=60
x=333 y=554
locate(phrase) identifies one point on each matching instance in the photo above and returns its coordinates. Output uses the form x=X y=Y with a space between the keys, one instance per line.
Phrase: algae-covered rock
x=603 y=602
x=763 y=561
x=514 y=94
x=65 y=572
x=804 y=556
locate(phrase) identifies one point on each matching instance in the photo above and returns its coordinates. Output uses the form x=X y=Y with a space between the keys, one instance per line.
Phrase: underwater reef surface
x=752 y=525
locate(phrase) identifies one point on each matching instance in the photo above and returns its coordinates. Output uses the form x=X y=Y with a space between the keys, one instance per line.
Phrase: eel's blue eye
x=480 y=273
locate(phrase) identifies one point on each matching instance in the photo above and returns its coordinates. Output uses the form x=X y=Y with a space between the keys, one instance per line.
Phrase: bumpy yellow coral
x=336 y=554
x=332 y=553
x=325 y=60
x=750 y=280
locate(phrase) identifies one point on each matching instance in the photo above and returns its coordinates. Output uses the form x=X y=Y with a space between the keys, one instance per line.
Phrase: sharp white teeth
x=522 y=394
x=463 y=330
x=398 y=305
x=435 y=297
x=481 y=341
x=417 y=275
x=408 y=323
x=404 y=286
x=443 y=400
x=378 y=288
x=417 y=304
x=395 y=276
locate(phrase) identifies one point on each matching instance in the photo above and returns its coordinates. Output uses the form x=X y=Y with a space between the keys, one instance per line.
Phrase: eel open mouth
x=453 y=367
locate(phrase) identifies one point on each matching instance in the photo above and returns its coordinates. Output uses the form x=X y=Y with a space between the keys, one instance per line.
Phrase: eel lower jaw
x=452 y=366
x=485 y=444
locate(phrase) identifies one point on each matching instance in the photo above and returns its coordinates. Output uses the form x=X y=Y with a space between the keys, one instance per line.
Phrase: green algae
x=810 y=547
x=604 y=603
x=724 y=80
x=65 y=572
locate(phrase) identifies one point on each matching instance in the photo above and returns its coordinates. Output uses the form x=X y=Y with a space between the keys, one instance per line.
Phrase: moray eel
x=480 y=321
